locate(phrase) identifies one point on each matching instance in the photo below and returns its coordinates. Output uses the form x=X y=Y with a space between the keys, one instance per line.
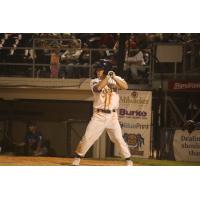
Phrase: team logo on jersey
x=106 y=90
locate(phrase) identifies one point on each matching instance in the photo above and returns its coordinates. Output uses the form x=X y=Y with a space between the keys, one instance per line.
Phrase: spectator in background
x=107 y=40
x=141 y=41
x=27 y=42
x=134 y=57
x=131 y=42
x=73 y=51
x=55 y=64
x=71 y=57
x=116 y=44
x=133 y=62
x=34 y=142
x=153 y=38
x=84 y=57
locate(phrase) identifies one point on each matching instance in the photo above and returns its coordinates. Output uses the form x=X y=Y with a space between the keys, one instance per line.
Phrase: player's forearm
x=121 y=83
x=102 y=84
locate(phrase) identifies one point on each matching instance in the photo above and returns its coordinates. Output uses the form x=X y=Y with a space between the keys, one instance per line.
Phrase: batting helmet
x=104 y=64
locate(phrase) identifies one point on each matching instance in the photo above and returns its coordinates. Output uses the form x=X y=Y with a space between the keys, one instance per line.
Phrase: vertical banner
x=135 y=120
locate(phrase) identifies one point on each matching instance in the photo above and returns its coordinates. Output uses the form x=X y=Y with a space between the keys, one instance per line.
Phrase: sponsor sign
x=184 y=86
x=187 y=145
x=135 y=119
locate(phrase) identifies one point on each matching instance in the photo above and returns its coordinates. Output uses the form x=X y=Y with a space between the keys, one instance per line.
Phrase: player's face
x=100 y=72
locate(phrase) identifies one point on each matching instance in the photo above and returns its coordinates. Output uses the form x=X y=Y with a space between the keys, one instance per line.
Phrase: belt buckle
x=104 y=111
x=107 y=111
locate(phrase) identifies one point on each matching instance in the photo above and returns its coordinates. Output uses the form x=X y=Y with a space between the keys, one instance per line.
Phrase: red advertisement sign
x=184 y=86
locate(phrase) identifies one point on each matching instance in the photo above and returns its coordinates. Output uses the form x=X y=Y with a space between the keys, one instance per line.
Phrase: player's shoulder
x=94 y=81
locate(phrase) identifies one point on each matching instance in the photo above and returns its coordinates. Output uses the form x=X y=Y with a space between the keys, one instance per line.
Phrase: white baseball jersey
x=108 y=97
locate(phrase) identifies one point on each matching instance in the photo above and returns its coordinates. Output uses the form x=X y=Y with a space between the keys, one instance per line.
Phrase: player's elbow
x=123 y=85
x=126 y=87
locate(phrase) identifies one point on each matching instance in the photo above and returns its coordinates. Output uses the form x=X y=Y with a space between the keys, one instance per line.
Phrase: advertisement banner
x=187 y=145
x=135 y=120
x=184 y=86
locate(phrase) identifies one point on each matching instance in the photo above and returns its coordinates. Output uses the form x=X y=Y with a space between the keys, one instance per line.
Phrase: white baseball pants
x=98 y=123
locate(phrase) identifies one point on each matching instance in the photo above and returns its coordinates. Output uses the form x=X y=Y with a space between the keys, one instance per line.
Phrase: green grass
x=137 y=161
x=154 y=162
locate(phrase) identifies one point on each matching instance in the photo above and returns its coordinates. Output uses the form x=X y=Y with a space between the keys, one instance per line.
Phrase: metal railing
x=189 y=66
x=35 y=62
x=43 y=47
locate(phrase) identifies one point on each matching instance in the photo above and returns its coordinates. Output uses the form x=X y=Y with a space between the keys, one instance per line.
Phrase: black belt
x=106 y=111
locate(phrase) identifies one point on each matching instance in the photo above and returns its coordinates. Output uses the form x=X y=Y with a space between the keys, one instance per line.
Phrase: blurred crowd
x=63 y=41
x=70 y=54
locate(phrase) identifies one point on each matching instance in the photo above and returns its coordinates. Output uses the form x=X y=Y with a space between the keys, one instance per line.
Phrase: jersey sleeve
x=121 y=79
x=93 y=83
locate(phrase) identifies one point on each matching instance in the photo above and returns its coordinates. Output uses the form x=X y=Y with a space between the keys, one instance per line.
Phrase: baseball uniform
x=105 y=105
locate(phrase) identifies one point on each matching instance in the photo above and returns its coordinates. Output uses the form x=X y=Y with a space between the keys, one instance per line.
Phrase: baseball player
x=106 y=102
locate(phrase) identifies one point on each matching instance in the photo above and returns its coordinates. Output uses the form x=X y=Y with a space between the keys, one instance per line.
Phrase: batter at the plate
x=106 y=102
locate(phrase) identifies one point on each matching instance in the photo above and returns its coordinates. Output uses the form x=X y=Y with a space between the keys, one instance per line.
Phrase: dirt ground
x=53 y=161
